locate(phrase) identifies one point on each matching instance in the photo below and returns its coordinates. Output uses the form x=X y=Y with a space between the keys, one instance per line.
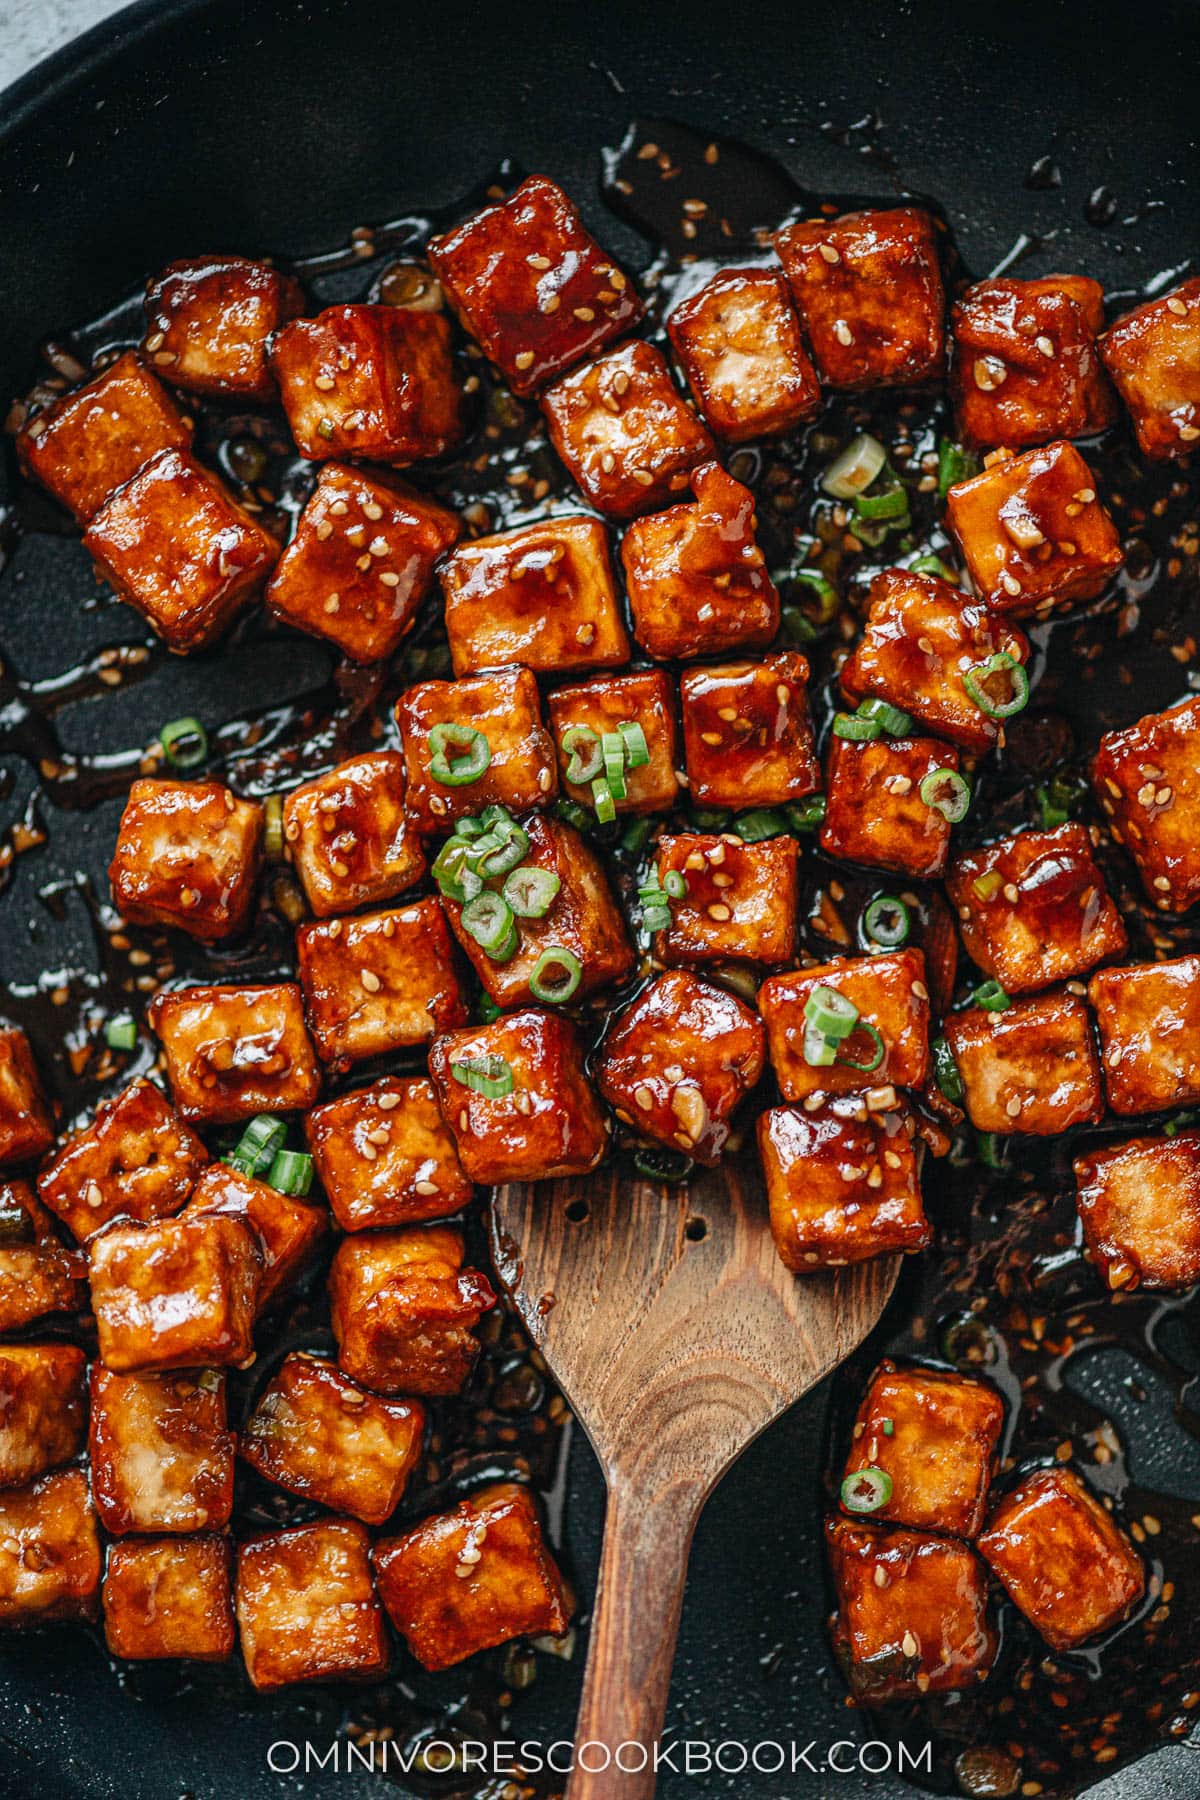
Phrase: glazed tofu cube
x=625 y=432
x=1140 y=1206
x=738 y=340
x=136 y=1160
x=175 y=1294
x=740 y=904
x=188 y=854
x=286 y=1229
x=1153 y=355
x=161 y=1455
x=49 y=1551
x=178 y=548
x=348 y=836
x=306 y=1606
x=38 y=1274
x=868 y=289
x=373 y=381
x=842 y=1184
x=26 y=1130
x=890 y=994
x=403 y=1310
x=361 y=562
x=43 y=1409
x=163 y=1598
x=1063 y=1559
x=473 y=1577
x=747 y=732
x=1031 y=1068
x=643 y=699
x=233 y=1052
x=912 y=1615
x=1147 y=780
x=921 y=642
x=1033 y=909
x=94 y=440
x=935 y=1436
x=381 y=982
x=320 y=1435
x=697 y=580
x=1149 y=1018
x=678 y=1062
x=505 y=707
x=209 y=320
x=1034 y=536
x=548 y=1125
x=385 y=1157
x=875 y=813
x=1024 y=367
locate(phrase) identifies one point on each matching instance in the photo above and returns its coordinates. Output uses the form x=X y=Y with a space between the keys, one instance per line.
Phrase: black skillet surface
x=282 y=126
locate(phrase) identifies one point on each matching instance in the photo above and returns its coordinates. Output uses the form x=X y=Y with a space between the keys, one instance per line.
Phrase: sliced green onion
x=887 y=1426
x=511 y=850
x=656 y=918
x=830 y=1013
x=657 y=1163
x=889 y=503
x=849 y=474
x=121 y=1033
x=582 y=745
x=556 y=975
x=637 y=750
x=184 y=743
x=636 y=835
x=797 y=627
x=824 y=590
x=259 y=1144
x=954 y=464
x=990 y=1149
x=469 y=749
x=273 y=827
x=980 y=675
x=495 y=817
x=571 y=813
x=612 y=745
x=470 y=827
x=945 y=1071
x=709 y=818
x=888 y=717
x=855 y=729
x=866 y=1490
x=490 y=1076
x=887 y=921
x=451 y=870
x=866 y=1068
x=488 y=918
x=763 y=822
x=806 y=815
x=602 y=800
x=992 y=997
x=531 y=892
x=675 y=884
x=933 y=565
x=820 y=1052
x=291 y=1173
x=946 y=792
x=987 y=885
x=487 y=1009
x=1058 y=800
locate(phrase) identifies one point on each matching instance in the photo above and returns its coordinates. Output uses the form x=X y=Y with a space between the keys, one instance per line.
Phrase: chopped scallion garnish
x=291 y=1173
x=992 y=997
x=887 y=921
x=866 y=1490
x=458 y=754
x=581 y=745
x=999 y=687
x=531 y=892
x=184 y=743
x=490 y=1076
x=121 y=1033
x=851 y=473
x=946 y=792
x=556 y=975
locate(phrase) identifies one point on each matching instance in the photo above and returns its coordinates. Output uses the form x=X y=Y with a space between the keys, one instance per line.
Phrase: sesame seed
x=830 y=252
x=908 y=1644
x=425 y=1187
x=989 y=373
x=1174 y=304
x=323 y=383
x=1009 y=583
x=642 y=476
x=538 y=262
x=524 y=359
x=585 y=314
x=1046 y=346
x=842 y=332
x=370 y=980
x=719 y=912
x=550 y=303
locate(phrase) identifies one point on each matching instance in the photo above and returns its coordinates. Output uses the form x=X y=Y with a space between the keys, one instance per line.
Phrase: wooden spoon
x=677 y=1335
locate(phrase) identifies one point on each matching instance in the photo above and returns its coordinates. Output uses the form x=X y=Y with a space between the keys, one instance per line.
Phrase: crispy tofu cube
x=43 y=1409
x=403 y=1310
x=385 y=1157
x=1063 y=1559
x=1147 y=780
x=642 y=699
x=625 y=432
x=1033 y=909
x=306 y=1606
x=505 y=706
x=209 y=320
x=1140 y=1206
x=868 y=289
x=188 y=854
x=381 y=982
x=912 y=1615
x=1149 y=1018
x=161 y=1455
x=360 y=562
x=288 y=1230
x=348 y=836
x=697 y=580
x=94 y=440
x=320 y=1435
x=38 y=1274
x=175 y=1294
x=49 y=1551
x=738 y=339
x=179 y=549
x=874 y=812
x=1034 y=536
x=921 y=640
x=935 y=1436
x=890 y=993
x=135 y=1160
x=373 y=381
x=473 y=1577
x=1024 y=367
x=747 y=732
x=740 y=904
x=842 y=1184
x=164 y=1598
x=678 y=1062
x=233 y=1052
x=1031 y=1068
x=1153 y=355
x=549 y=1124
x=26 y=1129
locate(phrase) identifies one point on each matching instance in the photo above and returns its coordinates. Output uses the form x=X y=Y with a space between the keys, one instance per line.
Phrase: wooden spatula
x=677 y=1335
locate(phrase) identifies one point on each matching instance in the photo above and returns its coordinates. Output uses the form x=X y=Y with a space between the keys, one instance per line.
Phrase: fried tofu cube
x=95 y=439
x=505 y=707
x=369 y=381
x=188 y=855
x=1033 y=909
x=49 y=1551
x=385 y=1157
x=175 y=1294
x=747 y=732
x=935 y=1436
x=38 y=1274
x=320 y=1435
x=875 y=813
x=348 y=836
x=287 y=1229
x=891 y=996
x=1149 y=1018
x=43 y=1409
x=164 y=1598
x=549 y=1124
x=738 y=340
x=1031 y=1068
x=697 y=580
x=209 y=320
x=178 y=548
x=1034 y=537
x=842 y=1184
x=1140 y=1206
x=922 y=639
x=160 y=1451
x=912 y=1615
x=306 y=1606
x=26 y=1129
x=1063 y=1559
x=404 y=1309
x=233 y=1052
x=473 y=1577
x=623 y=429
x=135 y=1160
x=868 y=289
x=1147 y=780
x=740 y=904
x=1024 y=366
x=381 y=982
x=1153 y=356
x=607 y=703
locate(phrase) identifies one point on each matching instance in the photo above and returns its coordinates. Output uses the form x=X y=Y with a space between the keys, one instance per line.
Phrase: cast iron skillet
x=278 y=125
